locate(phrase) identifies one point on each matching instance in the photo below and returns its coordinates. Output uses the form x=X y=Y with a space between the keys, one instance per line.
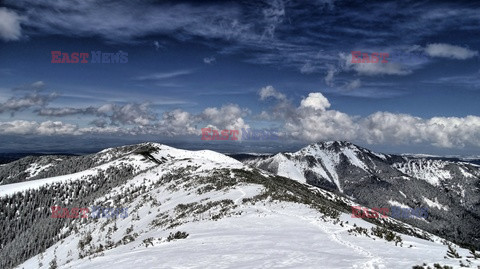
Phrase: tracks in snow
x=373 y=262
x=239 y=199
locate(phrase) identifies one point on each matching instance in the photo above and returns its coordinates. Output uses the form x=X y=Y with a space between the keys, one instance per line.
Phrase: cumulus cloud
x=447 y=132
x=57 y=128
x=10 y=28
x=316 y=101
x=138 y=114
x=227 y=117
x=18 y=127
x=314 y=121
x=449 y=51
x=269 y=91
x=317 y=125
x=177 y=122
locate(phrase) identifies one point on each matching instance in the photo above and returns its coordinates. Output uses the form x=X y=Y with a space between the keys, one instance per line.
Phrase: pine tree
x=474 y=254
x=53 y=263
x=452 y=252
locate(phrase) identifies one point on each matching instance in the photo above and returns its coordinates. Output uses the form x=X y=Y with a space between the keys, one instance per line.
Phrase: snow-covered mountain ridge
x=198 y=209
x=450 y=189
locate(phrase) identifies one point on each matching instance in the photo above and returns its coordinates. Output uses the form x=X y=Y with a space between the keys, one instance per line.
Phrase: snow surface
x=395 y=203
x=435 y=204
x=35 y=169
x=428 y=170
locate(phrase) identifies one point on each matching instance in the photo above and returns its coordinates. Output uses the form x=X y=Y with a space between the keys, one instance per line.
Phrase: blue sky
x=241 y=64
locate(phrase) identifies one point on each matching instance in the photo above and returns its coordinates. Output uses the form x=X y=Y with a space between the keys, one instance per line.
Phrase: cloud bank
x=449 y=51
x=313 y=119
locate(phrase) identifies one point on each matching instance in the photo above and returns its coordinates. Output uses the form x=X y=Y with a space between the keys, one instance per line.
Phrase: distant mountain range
x=449 y=188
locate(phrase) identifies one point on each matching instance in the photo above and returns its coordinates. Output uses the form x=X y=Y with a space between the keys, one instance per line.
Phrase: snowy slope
x=282 y=235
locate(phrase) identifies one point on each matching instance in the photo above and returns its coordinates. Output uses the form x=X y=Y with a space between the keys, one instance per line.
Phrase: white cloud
x=317 y=125
x=27 y=101
x=313 y=121
x=227 y=117
x=316 y=101
x=137 y=114
x=18 y=127
x=269 y=91
x=447 y=132
x=449 y=51
x=21 y=127
x=10 y=28
x=177 y=122
x=57 y=128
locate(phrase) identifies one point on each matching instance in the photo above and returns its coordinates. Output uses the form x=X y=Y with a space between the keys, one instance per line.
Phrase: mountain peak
x=334 y=144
